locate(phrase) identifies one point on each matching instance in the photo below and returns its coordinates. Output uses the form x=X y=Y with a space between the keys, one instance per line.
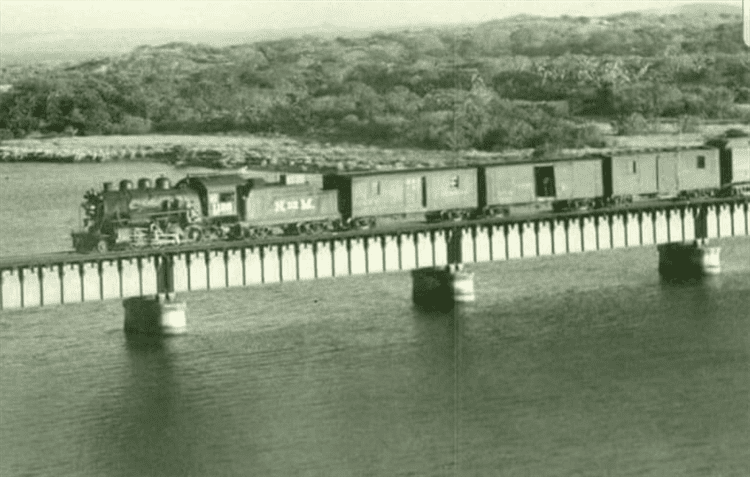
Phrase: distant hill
x=72 y=46
x=524 y=81
x=68 y=46
x=708 y=8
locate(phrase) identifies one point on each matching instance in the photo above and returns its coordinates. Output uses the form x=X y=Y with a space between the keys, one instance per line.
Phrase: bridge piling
x=437 y=287
x=357 y=256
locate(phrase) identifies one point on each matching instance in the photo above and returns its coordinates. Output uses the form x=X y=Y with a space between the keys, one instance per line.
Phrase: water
x=582 y=365
x=40 y=203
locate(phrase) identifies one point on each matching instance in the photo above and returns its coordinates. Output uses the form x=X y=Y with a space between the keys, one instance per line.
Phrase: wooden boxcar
x=560 y=181
x=630 y=175
x=651 y=174
x=414 y=193
x=688 y=171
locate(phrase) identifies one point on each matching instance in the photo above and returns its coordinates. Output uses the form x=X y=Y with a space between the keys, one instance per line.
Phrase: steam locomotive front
x=140 y=216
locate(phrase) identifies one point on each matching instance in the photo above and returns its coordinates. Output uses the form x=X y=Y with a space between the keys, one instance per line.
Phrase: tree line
x=520 y=82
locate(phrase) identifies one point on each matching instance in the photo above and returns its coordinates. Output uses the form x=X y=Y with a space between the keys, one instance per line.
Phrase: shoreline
x=287 y=154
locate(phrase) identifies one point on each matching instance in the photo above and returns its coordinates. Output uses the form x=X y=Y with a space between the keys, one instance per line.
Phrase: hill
x=518 y=82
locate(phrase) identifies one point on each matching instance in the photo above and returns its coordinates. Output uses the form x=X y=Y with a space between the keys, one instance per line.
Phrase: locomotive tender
x=235 y=206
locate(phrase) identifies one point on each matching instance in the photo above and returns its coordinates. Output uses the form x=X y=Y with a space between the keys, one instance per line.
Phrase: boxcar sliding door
x=544 y=179
x=415 y=193
x=666 y=174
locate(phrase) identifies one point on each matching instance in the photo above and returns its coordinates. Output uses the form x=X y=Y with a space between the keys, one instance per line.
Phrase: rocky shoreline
x=281 y=153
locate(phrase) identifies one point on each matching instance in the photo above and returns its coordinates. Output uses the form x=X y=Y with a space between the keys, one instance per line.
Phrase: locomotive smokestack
x=126 y=184
x=144 y=183
x=107 y=187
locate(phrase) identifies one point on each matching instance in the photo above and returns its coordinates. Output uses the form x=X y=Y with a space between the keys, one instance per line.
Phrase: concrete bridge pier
x=687 y=260
x=162 y=314
x=443 y=287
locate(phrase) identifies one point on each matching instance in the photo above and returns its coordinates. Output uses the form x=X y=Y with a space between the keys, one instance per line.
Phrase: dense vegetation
x=518 y=82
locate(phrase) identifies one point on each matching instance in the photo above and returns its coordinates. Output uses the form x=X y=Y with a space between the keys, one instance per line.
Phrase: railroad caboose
x=365 y=198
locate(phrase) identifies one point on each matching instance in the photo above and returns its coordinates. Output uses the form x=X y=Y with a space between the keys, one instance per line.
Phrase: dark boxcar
x=512 y=184
x=630 y=175
x=507 y=184
x=276 y=203
x=735 y=159
x=407 y=192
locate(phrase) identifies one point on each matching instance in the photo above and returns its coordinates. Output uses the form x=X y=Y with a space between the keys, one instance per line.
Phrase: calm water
x=40 y=203
x=582 y=365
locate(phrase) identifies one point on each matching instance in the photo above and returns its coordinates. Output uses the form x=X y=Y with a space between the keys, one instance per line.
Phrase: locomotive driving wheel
x=194 y=233
x=316 y=228
x=102 y=246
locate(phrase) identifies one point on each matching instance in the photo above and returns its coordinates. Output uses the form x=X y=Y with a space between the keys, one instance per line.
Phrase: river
x=581 y=365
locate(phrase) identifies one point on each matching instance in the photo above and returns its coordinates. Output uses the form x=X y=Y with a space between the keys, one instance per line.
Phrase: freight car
x=540 y=186
x=232 y=207
x=661 y=174
x=432 y=194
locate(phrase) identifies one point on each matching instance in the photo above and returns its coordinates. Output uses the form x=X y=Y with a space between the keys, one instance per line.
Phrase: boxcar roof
x=417 y=170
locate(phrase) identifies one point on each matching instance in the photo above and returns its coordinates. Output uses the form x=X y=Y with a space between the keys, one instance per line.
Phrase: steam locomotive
x=236 y=207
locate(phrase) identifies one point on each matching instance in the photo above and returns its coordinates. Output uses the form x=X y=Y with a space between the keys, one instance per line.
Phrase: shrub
x=632 y=125
x=689 y=124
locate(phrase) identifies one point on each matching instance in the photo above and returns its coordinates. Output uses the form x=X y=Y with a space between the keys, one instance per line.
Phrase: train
x=234 y=206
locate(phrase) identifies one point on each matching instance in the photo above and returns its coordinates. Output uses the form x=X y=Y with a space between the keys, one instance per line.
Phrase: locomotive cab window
x=544 y=178
x=701 y=162
x=221 y=203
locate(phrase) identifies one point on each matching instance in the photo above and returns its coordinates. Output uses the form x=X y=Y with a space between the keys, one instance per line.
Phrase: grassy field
x=287 y=154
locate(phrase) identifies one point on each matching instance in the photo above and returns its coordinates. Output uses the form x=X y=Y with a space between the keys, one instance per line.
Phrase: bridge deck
x=73 y=278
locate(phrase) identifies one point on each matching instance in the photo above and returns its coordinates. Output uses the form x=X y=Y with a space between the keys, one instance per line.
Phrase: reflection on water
x=148 y=422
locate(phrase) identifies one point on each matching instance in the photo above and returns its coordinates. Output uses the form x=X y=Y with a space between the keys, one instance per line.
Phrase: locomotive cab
x=219 y=195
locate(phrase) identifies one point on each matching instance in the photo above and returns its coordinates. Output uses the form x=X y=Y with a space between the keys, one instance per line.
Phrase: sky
x=19 y=16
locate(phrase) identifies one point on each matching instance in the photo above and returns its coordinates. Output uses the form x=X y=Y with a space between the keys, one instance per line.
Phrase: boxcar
x=414 y=193
x=560 y=181
x=734 y=159
x=687 y=171
x=651 y=174
x=630 y=175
